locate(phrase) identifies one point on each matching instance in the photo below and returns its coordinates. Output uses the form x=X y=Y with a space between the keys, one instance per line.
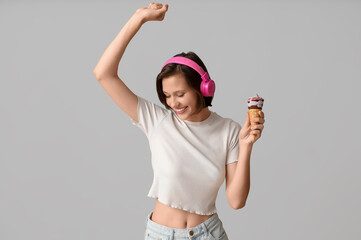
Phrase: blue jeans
x=211 y=229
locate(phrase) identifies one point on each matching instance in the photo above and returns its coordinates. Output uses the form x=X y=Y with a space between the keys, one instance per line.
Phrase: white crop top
x=188 y=158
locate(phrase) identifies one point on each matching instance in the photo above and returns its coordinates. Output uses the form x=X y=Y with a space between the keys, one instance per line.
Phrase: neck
x=201 y=116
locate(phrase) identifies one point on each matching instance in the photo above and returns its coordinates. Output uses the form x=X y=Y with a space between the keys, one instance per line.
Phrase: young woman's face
x=180 y=96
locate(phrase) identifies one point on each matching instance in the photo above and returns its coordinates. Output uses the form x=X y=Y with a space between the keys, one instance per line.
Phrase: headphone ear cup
x=208 y=88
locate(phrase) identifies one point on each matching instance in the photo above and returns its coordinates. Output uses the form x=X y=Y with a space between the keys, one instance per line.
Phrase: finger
x=255 y=119
x=255 y=132
x=256 y=136
x=258 y=120
x=165 y=7
x=259 y=126
x=158 y=5
x=262 y=116
x=247 y=122
x=155 y=5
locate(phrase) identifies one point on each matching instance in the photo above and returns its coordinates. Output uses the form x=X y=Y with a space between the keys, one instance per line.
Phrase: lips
x=180 y=110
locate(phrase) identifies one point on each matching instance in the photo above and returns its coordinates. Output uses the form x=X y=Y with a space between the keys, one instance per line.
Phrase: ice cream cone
x=255 y=105
x=253 y=113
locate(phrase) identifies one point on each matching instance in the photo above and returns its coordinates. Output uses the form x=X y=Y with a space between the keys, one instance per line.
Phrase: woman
x=193 y=149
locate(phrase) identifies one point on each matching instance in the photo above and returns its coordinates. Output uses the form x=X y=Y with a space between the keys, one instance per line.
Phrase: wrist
x=139 y=17
x=245 y=145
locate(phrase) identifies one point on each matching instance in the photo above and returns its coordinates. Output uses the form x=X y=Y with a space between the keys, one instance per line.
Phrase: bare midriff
x=176 y=218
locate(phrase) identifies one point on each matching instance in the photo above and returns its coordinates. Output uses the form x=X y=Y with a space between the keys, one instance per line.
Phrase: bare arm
x=238 y=174
x=106 y=69
x=238 y=178
x=108 y=63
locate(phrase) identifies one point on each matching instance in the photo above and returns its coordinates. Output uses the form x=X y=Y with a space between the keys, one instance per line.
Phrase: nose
x=173 y=102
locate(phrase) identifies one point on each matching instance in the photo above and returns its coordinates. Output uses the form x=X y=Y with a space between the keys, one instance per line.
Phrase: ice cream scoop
x=255 y=102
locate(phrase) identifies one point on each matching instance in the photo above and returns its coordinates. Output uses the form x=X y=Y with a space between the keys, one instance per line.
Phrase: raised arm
x=106 y=69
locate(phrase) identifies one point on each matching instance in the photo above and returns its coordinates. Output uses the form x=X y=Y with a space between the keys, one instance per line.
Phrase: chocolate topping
x=254 y=107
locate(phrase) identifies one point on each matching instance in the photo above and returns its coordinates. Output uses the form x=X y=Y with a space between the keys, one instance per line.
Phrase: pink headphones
x=207 y=86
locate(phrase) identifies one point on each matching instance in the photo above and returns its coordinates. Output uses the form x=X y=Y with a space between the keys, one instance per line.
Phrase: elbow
x=97 y=76
x=236 y=201
x=238 y=205
x=103 y=75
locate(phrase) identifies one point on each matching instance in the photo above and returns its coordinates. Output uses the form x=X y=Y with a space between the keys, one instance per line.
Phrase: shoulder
x=143 y=102
x=228 y=123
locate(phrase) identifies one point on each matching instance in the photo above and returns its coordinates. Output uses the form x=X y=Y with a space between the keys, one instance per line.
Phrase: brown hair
x=192 y=77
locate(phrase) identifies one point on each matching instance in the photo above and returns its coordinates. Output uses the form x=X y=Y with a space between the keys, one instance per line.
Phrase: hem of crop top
x=184 y=209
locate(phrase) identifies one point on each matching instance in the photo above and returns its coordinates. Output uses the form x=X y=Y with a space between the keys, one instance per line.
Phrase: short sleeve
x=233 y=147
x=149 y=115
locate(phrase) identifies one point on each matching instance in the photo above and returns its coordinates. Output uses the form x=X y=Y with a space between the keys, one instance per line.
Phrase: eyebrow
x=176 y=91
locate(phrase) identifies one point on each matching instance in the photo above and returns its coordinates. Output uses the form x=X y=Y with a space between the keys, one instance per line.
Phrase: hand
x=250 y=134
x=154 y=12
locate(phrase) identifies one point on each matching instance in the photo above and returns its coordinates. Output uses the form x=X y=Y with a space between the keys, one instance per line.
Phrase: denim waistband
x=194 y=231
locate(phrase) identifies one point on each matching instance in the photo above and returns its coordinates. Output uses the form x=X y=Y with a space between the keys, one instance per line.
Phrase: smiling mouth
x=180 y=110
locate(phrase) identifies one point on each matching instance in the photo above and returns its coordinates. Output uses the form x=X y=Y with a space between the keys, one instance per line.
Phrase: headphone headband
x=186 y=61
x=207 y=86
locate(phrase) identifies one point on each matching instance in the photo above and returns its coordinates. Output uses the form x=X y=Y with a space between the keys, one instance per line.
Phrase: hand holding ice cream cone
x=253 y=126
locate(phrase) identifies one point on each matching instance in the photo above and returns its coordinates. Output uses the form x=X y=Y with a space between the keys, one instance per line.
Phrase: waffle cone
x=253 y=113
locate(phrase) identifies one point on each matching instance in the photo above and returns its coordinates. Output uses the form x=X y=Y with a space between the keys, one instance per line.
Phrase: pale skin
x=179 y=95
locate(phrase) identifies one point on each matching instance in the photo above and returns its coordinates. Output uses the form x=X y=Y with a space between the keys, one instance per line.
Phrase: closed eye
x=178 y=96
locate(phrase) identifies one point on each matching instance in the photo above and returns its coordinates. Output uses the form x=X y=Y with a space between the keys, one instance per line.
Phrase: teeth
x=179 y=110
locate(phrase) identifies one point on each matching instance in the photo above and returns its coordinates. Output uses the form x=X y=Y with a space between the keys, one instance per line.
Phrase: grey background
x=74 y=167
